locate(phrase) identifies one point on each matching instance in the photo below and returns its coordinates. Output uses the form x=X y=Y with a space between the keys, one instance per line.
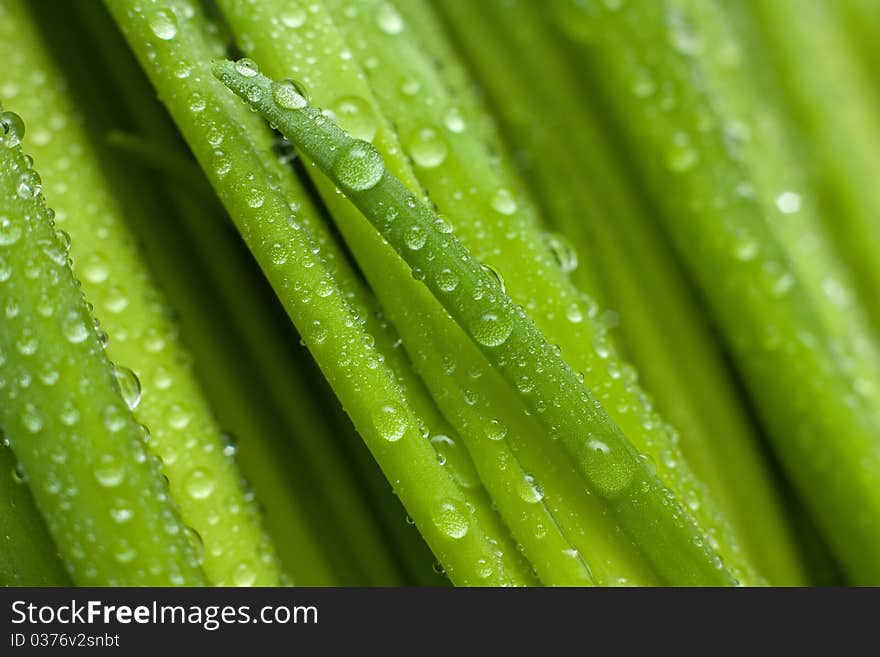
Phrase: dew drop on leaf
x=109 y=472
x=247 y=67
x=129 y=386
x=390 y=421
x=288 y=95
x=163 y=23
x=492 y=329
x=451 y=518
x=388 y=19
x=200 y=483
x=427 y=148
x=359 y=166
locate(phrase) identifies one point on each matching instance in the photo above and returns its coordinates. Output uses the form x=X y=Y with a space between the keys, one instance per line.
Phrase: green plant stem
x=830 y=102
x=233 y=149
x=516 y=54
x=612 y=467
x=167 y=399
x=72 y=432
x=28 y=556
x=676 y=139
x=470 y=394
x=337 y=510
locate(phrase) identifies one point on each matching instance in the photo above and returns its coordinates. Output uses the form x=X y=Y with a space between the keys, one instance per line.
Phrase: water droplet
x=496 y=430
x=29 y=184
x=163 y=23
x=179 y=416
x=359 y=166
x=492 y=329
x=19 y=475
x=294 y=17
x=200 y=483
x=608 y=468
x=95 y=268
x=415 y=237
x=109 y=472
x=685 y=39
x=788 y=202
x=388 y=19
x=247 y=67
x=390 y=421
x=31 y=418
x=563 y=252
x=454 y=121
x=503 y=202
x=356 y=117
x=447 y=281
x=427 y=148
x=255 y=198
x=74 y=327
x=196 y=544
x=681 y=155
x=121 y=514
x=10 y=232
x=643 y=85
x=287 y=94
x=279 y=253
x=530 y=490
x=129 y=386
x=451 y=518
x=11 y=129
x=244 y=574
x=123 y=551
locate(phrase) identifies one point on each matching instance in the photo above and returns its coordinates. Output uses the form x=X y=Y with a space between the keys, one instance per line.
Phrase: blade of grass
x=203 y=479
x=337 y=511
x=762 y=305
x=646 y=510
x=471 y=395
x=28 y=556
x=510 y=44
x=61 y=407
x=830 y=101
x=257 y=192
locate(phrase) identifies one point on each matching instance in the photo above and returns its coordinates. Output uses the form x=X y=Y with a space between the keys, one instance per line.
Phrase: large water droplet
x=415 y=237
x=293 y=17
x=492 y=329
x=109 y=472
x=496 y=430
x=359 y=166
x=287 y=94
x=427 y=148
x=356 y=117
x=447 y=281
x=609 y=469
x=388 y=19
x=129 y=386
x=10 y=232
x=530 y=490
x=200 y=483
x=390 y=421
x=247 y=67
x=11 y=129
x=163 y=24
x=503 y=202
x=451 y=518
x=29 y=184
x=74 y=327
x=788 y=202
